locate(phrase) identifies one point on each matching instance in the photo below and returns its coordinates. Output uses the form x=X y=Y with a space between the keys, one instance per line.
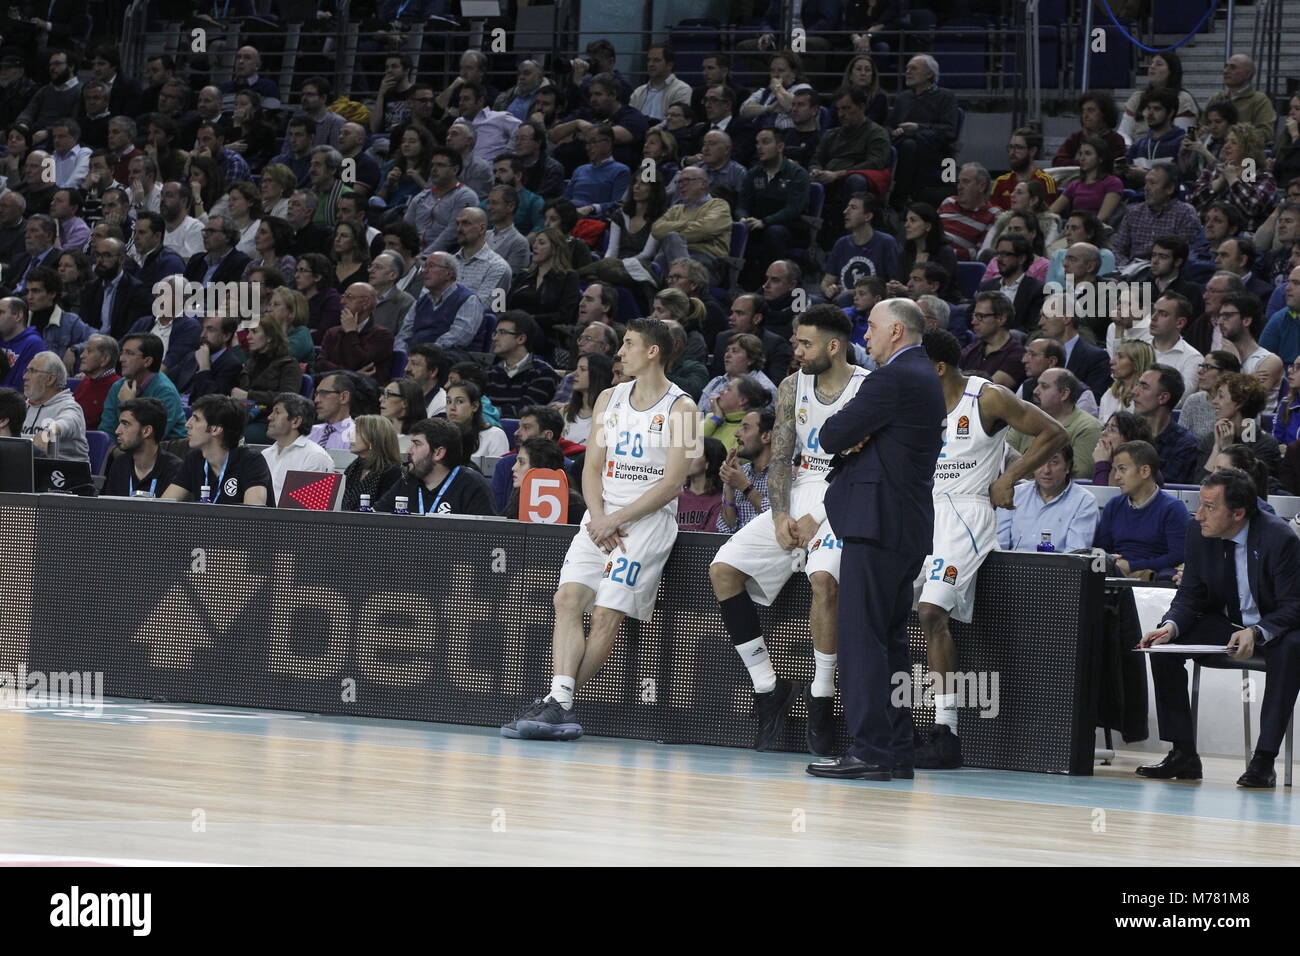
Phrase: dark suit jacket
x=742 y=135
x=778 y=351
x=883 y=494
x=220 y=378
x=124 y=97
x=1090 y=365
x=130 y=303
x=159 y=264
x=230 y=270
x=50 y=260
x=1028 y=303
x=178 y=362
x=1272 y=561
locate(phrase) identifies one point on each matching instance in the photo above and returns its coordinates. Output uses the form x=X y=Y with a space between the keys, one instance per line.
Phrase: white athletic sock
x=562 y=690
x=945 y=710
x=823 y=684
x=754 y=656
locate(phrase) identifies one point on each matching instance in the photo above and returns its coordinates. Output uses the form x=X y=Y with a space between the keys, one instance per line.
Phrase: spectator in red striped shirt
x=968 y=215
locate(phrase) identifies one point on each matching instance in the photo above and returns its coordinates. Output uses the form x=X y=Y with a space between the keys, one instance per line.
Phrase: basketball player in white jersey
x=636 y=463
x=968 y=484
x=756 y=562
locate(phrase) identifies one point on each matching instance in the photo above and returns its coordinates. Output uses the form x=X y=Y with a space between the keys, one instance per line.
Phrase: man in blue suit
x=1089 y=363
x=1241 y=589
x=880 y=502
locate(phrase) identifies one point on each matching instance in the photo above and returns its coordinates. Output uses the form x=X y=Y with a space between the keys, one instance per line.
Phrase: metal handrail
x=1001 y=83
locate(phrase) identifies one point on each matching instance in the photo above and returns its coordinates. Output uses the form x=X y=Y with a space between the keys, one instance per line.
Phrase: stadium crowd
x=442 y=272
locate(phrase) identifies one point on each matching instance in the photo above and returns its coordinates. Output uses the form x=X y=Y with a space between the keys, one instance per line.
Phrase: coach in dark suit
x=880 y=502
x=221 y=261
x=1241 y=588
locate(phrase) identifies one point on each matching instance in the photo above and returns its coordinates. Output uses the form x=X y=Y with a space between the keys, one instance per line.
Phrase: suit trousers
x=875 y=600
x=1281 y=685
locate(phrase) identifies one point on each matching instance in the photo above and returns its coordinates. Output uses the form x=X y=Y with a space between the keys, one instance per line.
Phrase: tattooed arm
x=779 y=472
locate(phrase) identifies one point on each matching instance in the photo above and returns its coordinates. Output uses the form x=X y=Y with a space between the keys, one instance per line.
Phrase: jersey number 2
x=936 y=572
x=626 y=438
x=632 y=569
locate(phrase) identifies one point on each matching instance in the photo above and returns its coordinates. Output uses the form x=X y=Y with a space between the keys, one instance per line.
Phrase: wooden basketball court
x=178 y=783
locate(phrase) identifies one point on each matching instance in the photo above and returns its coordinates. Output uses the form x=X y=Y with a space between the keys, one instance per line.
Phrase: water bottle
x=1046 y=544
x=365 y=504
x=205 y=495
x=400 y=506
x=145 y=493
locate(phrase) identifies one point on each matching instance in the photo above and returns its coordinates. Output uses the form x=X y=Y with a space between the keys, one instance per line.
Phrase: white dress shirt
x=302 y=455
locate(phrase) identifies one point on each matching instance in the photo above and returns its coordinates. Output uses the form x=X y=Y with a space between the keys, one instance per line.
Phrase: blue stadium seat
x=825 y=118
x=692 y=39
x=399 y=363
x=969 y=275
x=628 y=306
x=508 y=425
x=736 y=259
x=307 y=388
x=964 y=51
x=1112 y=69
x=98 y=445
x=74 y=383
x=1198 y=271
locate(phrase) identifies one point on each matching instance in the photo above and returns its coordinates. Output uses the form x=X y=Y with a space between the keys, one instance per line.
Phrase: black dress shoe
x=849 y=767
x=821 y=723
x=771 y=708
x=941 y=752
x=1176 y=766
x=1259 y=775
x=904 y=771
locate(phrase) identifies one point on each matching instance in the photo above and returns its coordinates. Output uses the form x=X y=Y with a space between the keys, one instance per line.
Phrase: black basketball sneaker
x=821 y=723
x=941 y=752
x=770 y=708
x=552 y=722
x=511 y=729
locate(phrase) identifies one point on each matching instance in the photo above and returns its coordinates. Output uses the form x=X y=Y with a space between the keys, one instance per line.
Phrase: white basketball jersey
x=636 y=446
x=810 y=414
x=971 y=459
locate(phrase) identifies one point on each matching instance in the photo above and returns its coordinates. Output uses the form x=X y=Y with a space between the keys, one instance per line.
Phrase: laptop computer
x=64 y=475
x=312 y=491
x=16 y=469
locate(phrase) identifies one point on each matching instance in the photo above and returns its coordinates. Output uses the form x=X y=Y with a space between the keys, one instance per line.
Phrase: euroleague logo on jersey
x=657 y=424
x=950 y=574
x=609 y=566
x=231 y=487
x=963 y=427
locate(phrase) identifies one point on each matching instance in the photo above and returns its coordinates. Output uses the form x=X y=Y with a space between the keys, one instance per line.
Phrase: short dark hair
x=322 y=85
x=296 y=406
x=1182 y=304
x=1246 y=246
x=942 y=346
x=548 y=419
x=526 y=326
x=1002 y=306
x=856 y=95
x=1238 y=489
x=475 y=89
x=1247 y=303
x=1141 y=453
x=543 y=453
x=1020 y=245
x=1175 y=245
x=225 y=413
x=148 y=412
x=471 y=372
x=766 y=419
x=1161 y=96
x=829 y=319
x=151 y=347
x=1066 y=452
x=936 y=273
x=448 y=154
x=609 y=83
x=668 y=53
x=1032 y=137
x=441 y=433
x=306 y=122
x=435 y=358
x=48 y=277
x=13 y=408
x=154 y=219
x=407 y=235
x=1228 y=361
x=1171 y=381
x=755 y=395
x=655 y=332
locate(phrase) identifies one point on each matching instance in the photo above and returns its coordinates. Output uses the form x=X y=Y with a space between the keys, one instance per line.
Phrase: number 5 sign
x=544 y=496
